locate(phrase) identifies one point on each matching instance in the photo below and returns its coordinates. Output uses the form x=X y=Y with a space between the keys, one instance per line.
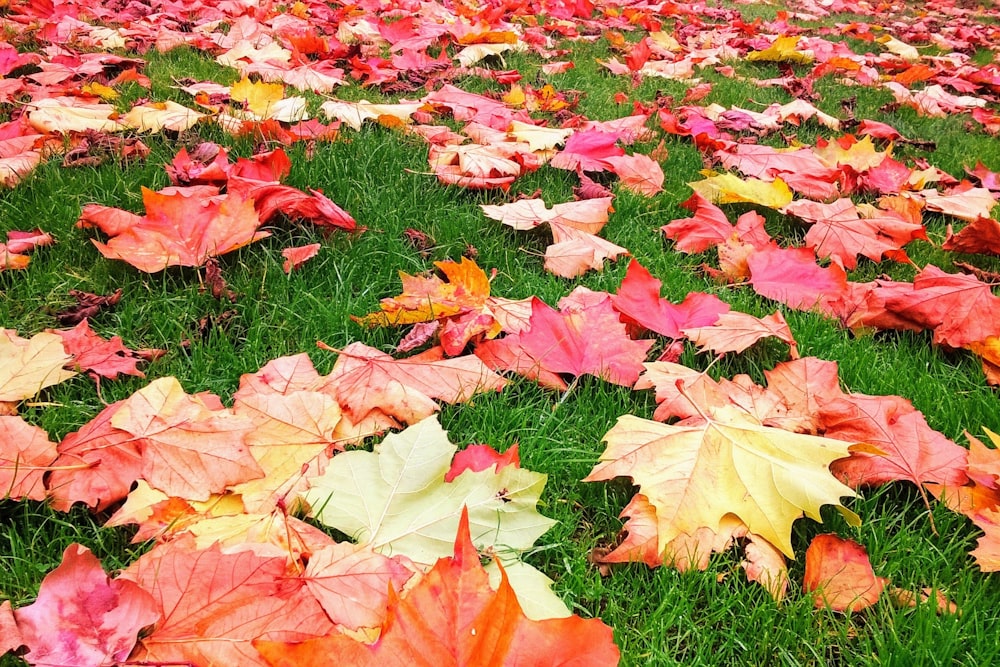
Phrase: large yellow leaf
x=696 y=475
x=396 y=498
x=730 y=189
x=29 y=365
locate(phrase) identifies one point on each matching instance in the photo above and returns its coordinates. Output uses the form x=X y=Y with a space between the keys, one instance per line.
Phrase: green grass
x=660 y=617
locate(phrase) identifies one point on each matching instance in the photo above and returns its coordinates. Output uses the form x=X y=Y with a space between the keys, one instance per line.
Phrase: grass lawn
x=381 y=177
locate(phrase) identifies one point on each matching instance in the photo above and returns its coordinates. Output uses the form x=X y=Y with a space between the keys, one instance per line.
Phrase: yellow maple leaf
x=696 y=475
x=847 y=150
x=425 y=299
x=258 y=97
x=782 y=50
x=29 y=365
x=730 y=189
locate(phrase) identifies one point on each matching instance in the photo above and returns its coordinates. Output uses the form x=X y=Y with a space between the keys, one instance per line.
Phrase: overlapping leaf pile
x=236 y=575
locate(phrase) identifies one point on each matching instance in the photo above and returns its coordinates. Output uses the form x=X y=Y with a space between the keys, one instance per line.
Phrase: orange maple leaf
x=452 y=618
x=182 y=228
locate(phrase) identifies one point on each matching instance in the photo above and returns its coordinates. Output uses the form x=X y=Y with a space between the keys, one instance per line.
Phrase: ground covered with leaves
x=500 y=333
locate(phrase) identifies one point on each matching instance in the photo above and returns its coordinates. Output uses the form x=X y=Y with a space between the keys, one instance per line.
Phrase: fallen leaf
x=81 y=617
x=575 y=342
x=370 y=384
x=840 y=576
x=188 y=449
x=396 y=499
x=297 y=256
x=182 y=229
x=29 y=365
x=104 y=358
x=638 y=300
x=451 y=618
x=734 y=331
x=696 y=474
x=25 y=454
x=214 y=604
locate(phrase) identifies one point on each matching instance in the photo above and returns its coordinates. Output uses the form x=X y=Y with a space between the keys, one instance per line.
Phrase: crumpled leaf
x=82 y=618
x=105 y=358
x=839 y=575
x=695 y=474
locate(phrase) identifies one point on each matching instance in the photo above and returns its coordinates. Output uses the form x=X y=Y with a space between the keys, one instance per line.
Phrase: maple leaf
x=25 y=454
x=29 y=365
x=638 y=173
x=214 y=604
x=105 y=358
x=11 y=256
x=72 y=114
x=481 y=457
x=910 y=449
x=588 y=150
x=729 y=189
x=706 y=229
x=782 y=50
x=474 y=166
x=297 y=256
x=960 y=308
x=735 y=332
x=180 y=229
x=728 y=463
x=188 y=449
x=396 y=499
x=10 y=635
x=290 y=433
x=839 y=575
x=847 y=150
x=351 y=582
x=353 y=114
x=453 y=618
x=791 y=276
x=82 y=618
x=638 y=299
x=538 y=138
x=567 y=341
x=465 y=288
x=374 y=388
x=839 y=231
x=763 y=562
x=158 y=116
x=96 y=465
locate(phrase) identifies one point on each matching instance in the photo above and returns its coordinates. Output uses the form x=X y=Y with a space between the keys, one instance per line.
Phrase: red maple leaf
x=573 y=341
x=638 y=299
x=81 y=617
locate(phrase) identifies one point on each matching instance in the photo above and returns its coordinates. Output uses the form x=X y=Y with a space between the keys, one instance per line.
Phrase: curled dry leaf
x=840 y=576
